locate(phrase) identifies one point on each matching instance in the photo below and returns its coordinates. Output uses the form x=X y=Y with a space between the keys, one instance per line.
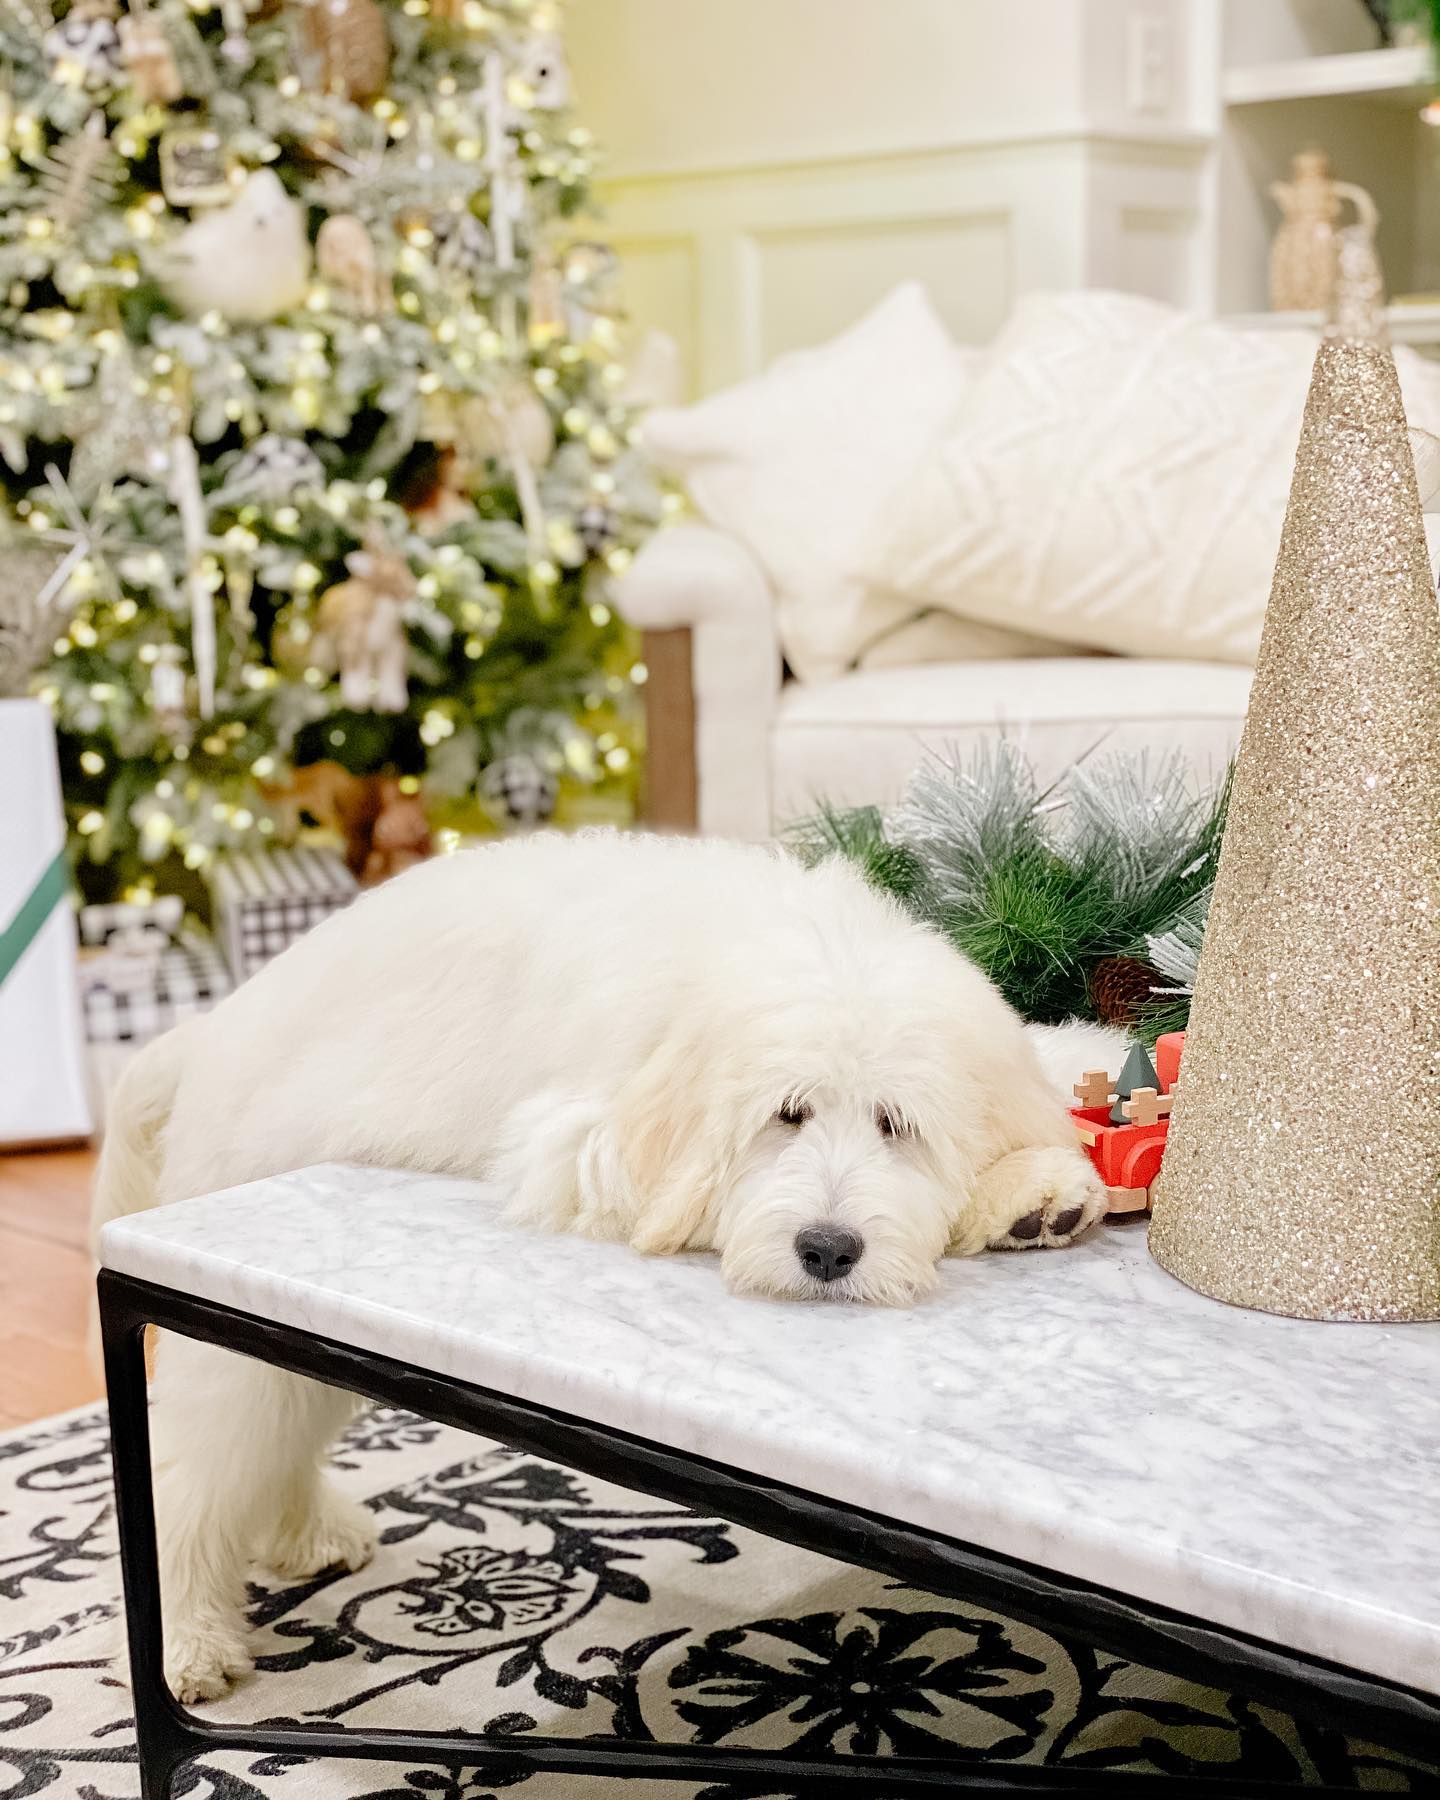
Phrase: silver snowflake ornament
x=272 y=468
x=463 y=245
x=83 y=50
x=597 y=527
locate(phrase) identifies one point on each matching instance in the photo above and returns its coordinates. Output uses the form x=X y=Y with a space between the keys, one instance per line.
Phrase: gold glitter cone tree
x=1302 y=1173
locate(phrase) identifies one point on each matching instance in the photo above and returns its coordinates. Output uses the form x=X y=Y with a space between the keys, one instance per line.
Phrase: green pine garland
x=1390 y=13
x=1041 y=888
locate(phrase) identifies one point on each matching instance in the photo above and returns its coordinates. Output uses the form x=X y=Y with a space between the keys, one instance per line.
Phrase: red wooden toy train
x=1127 y=1152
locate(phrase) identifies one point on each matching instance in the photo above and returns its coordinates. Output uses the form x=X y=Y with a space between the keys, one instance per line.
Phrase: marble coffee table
x=1071 y=1438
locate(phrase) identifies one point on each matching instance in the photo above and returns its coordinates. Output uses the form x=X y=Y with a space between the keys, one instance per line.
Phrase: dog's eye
x=886 y=1123
x=795 y=1113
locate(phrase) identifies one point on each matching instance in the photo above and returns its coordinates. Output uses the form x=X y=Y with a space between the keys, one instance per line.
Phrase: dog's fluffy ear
x=674 y=1133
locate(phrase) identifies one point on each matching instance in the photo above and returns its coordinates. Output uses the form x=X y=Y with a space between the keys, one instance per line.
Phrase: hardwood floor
x=45 y=1284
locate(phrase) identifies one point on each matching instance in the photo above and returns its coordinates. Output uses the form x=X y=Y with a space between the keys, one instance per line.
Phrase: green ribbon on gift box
x=35 y=909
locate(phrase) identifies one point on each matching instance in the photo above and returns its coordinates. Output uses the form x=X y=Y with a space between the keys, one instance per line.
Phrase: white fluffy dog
x=683 y=1046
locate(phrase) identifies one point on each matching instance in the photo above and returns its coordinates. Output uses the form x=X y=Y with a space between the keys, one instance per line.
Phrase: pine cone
x=1119 y=987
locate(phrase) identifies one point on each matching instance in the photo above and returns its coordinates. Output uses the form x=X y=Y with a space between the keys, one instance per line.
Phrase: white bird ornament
x=248 y=261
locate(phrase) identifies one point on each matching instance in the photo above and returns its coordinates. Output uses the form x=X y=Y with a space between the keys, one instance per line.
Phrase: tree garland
x=1083 y=900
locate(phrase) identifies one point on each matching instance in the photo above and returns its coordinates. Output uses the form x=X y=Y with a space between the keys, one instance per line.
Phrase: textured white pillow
x=801 y=463
x=900 y=636
x=1116 y=475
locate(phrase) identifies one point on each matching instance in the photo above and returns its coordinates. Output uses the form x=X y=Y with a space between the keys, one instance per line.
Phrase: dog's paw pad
x=204 y=1665
x=1060 y=1205
x=1032 y=1199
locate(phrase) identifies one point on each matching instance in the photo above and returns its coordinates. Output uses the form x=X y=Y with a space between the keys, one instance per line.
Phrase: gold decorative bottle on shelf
x=1305 y=257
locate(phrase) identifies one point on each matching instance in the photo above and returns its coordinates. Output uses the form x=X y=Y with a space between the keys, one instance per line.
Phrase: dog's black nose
x=828 y=1252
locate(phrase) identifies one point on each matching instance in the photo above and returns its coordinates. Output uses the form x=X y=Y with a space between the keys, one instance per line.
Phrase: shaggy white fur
x=679 y=1045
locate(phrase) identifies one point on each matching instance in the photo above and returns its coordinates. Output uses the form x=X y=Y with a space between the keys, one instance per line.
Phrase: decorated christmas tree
x=317 y=455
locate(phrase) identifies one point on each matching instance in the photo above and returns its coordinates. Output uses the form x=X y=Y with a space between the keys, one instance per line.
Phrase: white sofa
x=767 y=748
x=888 y=513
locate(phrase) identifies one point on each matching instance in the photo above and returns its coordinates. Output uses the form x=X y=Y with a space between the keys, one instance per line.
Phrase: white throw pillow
x=1116 y=475
x=802 y=463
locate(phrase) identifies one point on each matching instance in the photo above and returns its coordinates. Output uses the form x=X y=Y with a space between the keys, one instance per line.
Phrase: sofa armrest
x=695 y=576
x=688 y=573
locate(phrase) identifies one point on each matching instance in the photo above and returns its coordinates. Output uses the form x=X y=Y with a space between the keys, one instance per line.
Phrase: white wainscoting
x=743 y=267
x=777 y=165
x=1021 y=155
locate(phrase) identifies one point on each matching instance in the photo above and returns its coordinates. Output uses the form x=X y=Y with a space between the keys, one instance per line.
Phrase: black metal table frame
x=1378 y=1712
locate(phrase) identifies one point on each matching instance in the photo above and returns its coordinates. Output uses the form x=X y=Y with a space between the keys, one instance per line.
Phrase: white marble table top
x=1078 y=1409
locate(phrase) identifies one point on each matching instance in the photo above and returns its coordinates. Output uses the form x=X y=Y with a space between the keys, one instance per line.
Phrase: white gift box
x=42 y=1066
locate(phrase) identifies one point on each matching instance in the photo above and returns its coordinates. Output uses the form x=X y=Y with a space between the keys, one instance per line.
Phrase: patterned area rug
x=512 y=1595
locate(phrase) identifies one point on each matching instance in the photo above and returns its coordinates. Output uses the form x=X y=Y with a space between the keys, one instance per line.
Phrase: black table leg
x=163 y=1737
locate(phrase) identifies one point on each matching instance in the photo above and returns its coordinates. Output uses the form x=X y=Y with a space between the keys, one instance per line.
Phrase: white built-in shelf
x=1403 y=75
x=1416 y=323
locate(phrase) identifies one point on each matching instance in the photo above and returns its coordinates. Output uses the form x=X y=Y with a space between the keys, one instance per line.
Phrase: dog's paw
x=1056 y=1198
x=204 y=1662
x=337 y=1533
x=1032 y=1200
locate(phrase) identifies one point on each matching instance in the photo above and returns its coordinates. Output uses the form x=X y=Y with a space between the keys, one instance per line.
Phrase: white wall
x=774 y=166
x=720 y=84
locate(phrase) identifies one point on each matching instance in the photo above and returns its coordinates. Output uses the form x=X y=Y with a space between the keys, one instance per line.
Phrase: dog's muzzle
x=828 y=1252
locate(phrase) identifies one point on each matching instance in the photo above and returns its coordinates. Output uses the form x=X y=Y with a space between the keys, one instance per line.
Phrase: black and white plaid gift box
x=121 y=943
x=187 y=977
x=264 y=900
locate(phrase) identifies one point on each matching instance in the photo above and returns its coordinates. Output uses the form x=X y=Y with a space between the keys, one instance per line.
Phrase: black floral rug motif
x=510 y=1595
